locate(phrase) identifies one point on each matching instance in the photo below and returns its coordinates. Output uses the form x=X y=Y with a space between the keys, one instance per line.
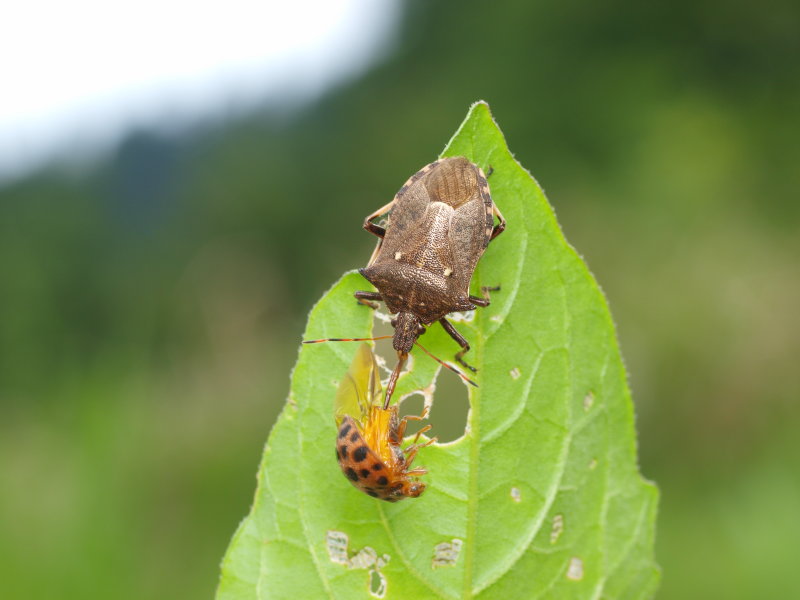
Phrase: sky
x=76 y=76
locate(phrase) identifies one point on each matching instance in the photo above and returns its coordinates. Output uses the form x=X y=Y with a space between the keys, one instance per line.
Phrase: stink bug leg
x=366 y=297
x=501 y=226
x=461 y=340
x=378 y=230
x=484 y=301
x=372 y=227
x=453 y=332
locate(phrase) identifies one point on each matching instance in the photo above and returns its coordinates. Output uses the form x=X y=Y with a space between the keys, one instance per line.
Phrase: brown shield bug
x=438 y=226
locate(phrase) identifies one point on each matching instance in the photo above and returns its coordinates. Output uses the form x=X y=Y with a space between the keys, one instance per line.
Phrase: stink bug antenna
x=372 y=339
x=444 y=364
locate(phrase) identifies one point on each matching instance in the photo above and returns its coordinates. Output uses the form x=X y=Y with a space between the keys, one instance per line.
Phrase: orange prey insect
x=370 y=435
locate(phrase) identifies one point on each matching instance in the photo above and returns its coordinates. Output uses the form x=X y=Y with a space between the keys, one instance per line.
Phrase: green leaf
x=542 y=493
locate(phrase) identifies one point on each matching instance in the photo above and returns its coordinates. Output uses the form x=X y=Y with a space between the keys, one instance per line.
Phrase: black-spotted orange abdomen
x=363 y=467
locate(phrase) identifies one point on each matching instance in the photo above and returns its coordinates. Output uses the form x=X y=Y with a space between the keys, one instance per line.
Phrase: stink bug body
x=440 y=223
x=369 y=440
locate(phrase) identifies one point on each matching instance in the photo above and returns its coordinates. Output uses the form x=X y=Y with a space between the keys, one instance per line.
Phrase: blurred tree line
x=152 y=305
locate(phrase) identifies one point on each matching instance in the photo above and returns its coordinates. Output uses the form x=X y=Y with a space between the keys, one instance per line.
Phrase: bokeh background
x=155 y=275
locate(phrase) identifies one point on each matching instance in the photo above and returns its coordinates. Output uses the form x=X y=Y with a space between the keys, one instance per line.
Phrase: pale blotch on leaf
x=496 y=318
x=516 y=495
x=575 y=569
x=592 y=464
x=588 y=400
x=446 y=553
x=558 y=528
x=337 y=544
x=514 y=373
x=364 y=558
x=462 y=317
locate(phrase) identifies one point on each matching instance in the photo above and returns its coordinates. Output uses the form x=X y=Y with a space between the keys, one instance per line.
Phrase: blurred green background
x=152 y=305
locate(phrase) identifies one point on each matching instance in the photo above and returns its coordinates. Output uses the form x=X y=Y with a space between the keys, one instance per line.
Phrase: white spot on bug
x=588 y=401
x=575 y=569
x=516 y=495
x=514 y=373
x=592 y=464
x=557 y=529
x=446 y=554
x=448 y=271
x=398 y=255
x=366 y=558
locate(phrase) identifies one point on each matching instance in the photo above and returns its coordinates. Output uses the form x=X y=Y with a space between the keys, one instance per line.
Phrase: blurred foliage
x=152 y=306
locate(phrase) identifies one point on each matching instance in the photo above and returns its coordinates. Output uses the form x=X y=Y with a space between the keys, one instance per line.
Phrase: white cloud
x=79 y=74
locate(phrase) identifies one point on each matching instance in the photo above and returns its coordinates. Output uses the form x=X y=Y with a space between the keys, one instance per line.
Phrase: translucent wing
x=360 y=388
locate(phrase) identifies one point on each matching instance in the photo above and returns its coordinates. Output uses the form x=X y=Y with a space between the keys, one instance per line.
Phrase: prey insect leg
x=412 y=452
x=401 y=428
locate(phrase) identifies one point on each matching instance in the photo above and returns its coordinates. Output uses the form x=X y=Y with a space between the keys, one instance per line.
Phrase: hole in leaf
x=449 y=411
x=377 y=584
x=414 y=405
x=383 y=348
x=450 y=408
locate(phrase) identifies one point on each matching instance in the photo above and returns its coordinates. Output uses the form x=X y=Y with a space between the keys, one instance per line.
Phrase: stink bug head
x=407 y=328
